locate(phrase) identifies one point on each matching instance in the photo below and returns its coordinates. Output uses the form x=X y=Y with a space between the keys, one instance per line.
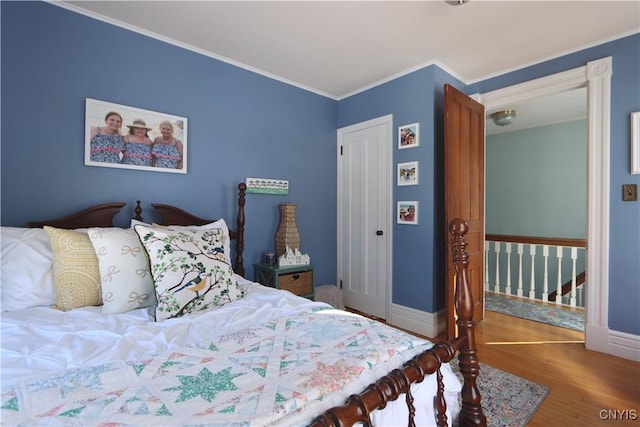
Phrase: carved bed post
x=239 y=261
x=138 y=212
x=471 y=413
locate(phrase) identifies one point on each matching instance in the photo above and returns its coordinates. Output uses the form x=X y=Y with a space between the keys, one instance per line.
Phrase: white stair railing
x=541 y=267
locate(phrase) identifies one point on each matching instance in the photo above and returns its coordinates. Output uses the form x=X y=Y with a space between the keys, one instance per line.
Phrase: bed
x=179 y=337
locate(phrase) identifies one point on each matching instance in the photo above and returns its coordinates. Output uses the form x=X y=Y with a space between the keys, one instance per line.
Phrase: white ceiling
x=544 y=111
x=338 y=48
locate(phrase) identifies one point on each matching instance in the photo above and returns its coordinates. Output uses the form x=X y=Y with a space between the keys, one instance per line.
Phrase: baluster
x=486 y=265
x=581 y=295
x=545 y=289
x=496 y=286
x=508 y=251
x=559 y=281
x=574 y=259
x=520 y=251
x=532 y=282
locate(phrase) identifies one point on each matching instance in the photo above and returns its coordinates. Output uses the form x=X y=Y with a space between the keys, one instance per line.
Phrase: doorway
x=536 y=191
x=596 y=77
x=365 y=215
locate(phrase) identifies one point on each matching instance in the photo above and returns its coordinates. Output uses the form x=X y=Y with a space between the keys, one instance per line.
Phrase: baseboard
x=624 y=345
x=420 y=322
x=603 y=340
x=612 y=342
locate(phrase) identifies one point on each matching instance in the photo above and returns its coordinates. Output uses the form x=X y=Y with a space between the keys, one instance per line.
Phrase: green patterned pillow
x=189 y=270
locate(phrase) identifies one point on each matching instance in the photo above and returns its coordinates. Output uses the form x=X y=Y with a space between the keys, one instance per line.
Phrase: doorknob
x=379 y=233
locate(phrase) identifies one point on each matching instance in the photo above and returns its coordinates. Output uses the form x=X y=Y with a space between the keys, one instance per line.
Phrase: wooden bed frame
x=358 y=407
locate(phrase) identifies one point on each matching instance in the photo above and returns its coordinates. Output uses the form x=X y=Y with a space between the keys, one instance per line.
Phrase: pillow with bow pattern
x=124 y=269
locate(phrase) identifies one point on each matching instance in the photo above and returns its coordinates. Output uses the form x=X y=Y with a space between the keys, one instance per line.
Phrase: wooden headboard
x=171 y=215
x=95 y=216
x=102 y=216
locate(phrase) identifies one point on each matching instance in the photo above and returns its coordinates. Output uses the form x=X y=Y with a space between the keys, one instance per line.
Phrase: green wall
x=536 y=181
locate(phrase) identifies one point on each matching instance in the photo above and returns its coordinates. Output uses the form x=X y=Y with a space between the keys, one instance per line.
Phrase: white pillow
x=135 y=222
x=124 y=270
x=189 y=270
x=26 y=278
x=221 y=224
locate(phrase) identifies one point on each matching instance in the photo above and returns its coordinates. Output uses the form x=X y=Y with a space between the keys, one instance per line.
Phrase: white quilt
x=268 y=359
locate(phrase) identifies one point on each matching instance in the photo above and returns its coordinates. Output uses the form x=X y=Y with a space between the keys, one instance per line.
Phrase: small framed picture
x=408 y=212
x=408 y=173
x=409 y=136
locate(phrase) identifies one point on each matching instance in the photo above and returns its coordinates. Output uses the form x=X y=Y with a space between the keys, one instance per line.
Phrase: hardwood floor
x=587 y=388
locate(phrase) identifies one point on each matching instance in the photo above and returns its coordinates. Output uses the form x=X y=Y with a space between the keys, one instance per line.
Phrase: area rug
x=507 y=399
x=549 y=314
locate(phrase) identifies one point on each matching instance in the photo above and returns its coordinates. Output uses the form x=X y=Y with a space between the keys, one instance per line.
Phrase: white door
x=364 y=215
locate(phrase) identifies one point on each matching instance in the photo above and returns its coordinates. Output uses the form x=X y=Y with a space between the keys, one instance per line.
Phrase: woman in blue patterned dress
x=137 y=145
x=167 y=150
x=106 y=144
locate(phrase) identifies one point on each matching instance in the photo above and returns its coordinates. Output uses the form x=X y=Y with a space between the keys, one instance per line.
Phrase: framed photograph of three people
x=120 y=136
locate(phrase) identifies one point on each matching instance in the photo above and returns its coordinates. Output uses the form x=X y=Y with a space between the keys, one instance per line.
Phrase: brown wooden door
x=464 y=191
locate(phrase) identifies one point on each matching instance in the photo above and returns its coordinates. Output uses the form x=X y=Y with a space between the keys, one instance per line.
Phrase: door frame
x=596 y=77
x=387 y=121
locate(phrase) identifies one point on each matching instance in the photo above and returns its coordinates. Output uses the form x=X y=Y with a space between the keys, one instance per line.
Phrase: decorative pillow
x=189 y=269
x=124 y=270
x=221 y=224
x=27 y=269
x=135 y=222
x=75 y=269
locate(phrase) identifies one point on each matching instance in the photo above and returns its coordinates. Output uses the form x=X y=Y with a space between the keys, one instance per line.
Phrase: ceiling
x=338 y=48
x=544 y=111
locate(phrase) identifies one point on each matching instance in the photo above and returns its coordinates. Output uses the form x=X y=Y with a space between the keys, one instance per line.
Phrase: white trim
x=539 y=61
x=635 y=143
x=596 y=76
x=401 y=74
x=168 y=40
x=616 y=343
x=186 y=46
x=624 y=345
x=419 y=322
x=431 y=325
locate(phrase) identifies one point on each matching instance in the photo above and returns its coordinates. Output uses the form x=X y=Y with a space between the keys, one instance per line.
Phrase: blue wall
x=243 y=124
x=417 y=249
x=624 y=240
x=240 y=124
x=418 y=97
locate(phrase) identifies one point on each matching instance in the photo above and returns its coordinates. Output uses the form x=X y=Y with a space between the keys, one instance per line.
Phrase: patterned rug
x=507 y=400
x=549 y=314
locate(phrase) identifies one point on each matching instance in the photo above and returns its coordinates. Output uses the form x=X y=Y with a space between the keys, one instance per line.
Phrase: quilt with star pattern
x=264 y=362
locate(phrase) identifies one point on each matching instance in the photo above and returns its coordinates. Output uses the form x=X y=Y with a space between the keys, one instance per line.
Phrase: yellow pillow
x=76 y=274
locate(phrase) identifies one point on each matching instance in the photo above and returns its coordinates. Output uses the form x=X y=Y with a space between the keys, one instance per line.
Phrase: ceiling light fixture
x=456 y=2
x=504 y=117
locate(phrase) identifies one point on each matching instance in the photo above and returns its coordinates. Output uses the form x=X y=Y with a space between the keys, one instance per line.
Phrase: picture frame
x=635 y=143
x=125 y=137
x=407 y=212
x=409 y=136
x=407 y=173
x=267 y=186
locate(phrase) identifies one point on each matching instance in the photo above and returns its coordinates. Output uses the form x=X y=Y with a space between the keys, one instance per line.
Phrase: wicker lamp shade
x=287 y=234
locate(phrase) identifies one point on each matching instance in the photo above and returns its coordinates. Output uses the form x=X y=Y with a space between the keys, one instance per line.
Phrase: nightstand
x=294 y=278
